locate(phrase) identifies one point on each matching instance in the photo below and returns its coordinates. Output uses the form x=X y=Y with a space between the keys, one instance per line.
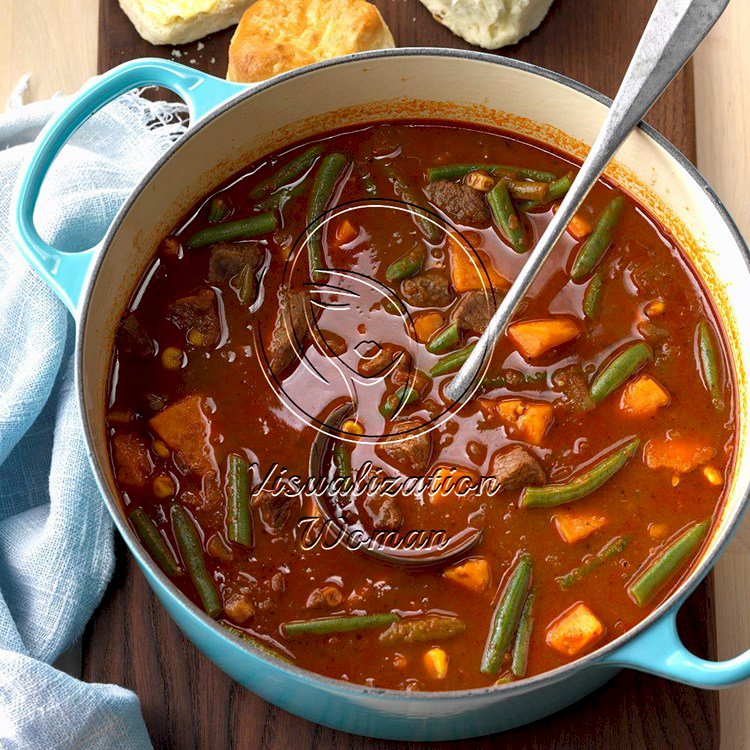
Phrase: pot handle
x=66 y=272
x=659 y=651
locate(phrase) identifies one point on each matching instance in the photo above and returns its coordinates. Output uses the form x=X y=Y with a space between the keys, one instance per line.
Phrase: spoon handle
x=673 y=33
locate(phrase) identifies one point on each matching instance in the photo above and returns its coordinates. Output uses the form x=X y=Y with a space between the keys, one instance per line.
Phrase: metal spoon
x=456 y=545
x=673 y=33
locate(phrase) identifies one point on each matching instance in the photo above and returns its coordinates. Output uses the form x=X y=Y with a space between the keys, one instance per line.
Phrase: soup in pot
x=278 y=413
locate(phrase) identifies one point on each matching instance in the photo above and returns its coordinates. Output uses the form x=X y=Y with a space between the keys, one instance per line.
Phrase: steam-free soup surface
x=605 y=415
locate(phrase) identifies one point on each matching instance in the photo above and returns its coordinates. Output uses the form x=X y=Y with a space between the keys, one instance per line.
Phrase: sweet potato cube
x=132 y=461
x=574 y=526
x=185 y=428
x=450 y=483
x=426 y=325
x=643 y=397
x=535 y=337
x=527 y=420
x=575 y=631
x=473 y=574
x=467 y=274
x=678 y=453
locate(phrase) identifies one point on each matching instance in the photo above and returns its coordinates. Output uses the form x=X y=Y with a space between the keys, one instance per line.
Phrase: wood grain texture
x=189 y=703
x=35 y=38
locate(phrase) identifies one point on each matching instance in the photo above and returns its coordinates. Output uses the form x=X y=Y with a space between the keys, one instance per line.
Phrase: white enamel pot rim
x=607 y=652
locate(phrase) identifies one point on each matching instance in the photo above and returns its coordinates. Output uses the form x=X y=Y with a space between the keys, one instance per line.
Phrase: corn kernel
x=675 y=480
x=657 y=530
x=161 y=449
x=172 y=358
x=436 y=663
x=655 y=308
x=480 y=180
x=713 y=475
x=196 y=338
x=353 y=427
x=163 y=486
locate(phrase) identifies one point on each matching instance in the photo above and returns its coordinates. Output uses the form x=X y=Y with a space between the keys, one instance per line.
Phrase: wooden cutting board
x=187 y=702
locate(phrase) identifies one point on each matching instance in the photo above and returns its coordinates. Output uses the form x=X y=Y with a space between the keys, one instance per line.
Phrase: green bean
x=550 y=495
x=274 y=201
x=523 y=637
x=217 y=210
x=625 y=364
x=444 y=339
x=598 y=242
x=239 y=520
x=289 y=172
x=407 y=265
x=192 y=555
x=327 y=176
x=255 y=642
x=154 y=542
x=246 y=285
x=409 y=194
x=343 y=624
x=457 y=171
x=515 y=379
x=369 y=185
x=607 y=552
x=506 y=217
x=233 y=230
x=709 y=361
x=342 y=461
x=452 y=362
x=592 y=296
x=423 y=629
x=405 y=395
x=557 y=189
x=658 y=571
x=528 y=190
x=506 y=616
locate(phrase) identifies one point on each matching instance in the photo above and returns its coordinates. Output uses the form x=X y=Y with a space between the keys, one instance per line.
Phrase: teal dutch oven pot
x=231 y=126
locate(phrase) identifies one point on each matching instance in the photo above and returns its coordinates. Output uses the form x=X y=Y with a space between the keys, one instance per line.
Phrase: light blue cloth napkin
x=56 y=553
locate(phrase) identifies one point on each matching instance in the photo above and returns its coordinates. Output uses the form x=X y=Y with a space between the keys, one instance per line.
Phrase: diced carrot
x=574 y=526
x=346 y=232
x=579 y=227
x=535 y=337
x=644 y=396
x=575 y=630
x=677 y=453
x=426 y=324
x=529 y=420
x=473 y=574
x=436 y=663
x=467 y=274
x=451 y=483
x=184 y=427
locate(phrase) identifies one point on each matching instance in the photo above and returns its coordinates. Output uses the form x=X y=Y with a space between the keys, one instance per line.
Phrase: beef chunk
x=132 y=461
x=409 y=452
x=473 y=312
x=133 y=339
x=197 y=311
x=428 y=289
x=516 y=466
x=275 y=507
x=459 y=202
x=572 y=383
x=291 y=329
x=388 y=516
x=228 y=259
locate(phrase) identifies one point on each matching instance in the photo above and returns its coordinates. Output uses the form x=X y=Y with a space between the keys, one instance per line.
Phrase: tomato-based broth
x=604 y=416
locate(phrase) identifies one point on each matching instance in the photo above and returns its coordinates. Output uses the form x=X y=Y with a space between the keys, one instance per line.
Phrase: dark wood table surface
x=187 y=702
